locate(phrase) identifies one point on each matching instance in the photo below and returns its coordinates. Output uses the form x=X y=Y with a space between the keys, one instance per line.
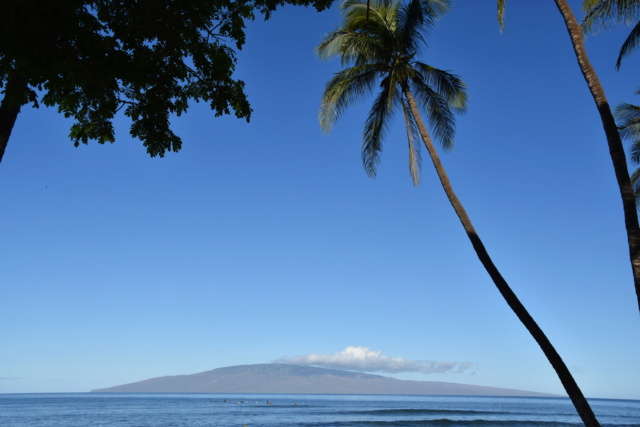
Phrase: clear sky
x=267 y=241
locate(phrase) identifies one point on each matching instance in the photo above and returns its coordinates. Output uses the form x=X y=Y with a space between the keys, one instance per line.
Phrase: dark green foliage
x=148 y=58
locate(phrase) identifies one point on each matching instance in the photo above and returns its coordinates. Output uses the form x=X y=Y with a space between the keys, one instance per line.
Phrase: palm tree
x=378 y=45
x=601 y=12
x=616 y=149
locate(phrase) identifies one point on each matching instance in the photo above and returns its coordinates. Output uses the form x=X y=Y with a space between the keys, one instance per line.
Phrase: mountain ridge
x=298 y=379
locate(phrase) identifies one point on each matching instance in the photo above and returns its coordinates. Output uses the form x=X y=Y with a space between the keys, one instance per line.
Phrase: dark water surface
x=178 y=410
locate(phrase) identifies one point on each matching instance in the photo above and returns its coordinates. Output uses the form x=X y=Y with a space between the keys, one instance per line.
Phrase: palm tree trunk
x=571 y=387
x=616 y=149
x=14 y=98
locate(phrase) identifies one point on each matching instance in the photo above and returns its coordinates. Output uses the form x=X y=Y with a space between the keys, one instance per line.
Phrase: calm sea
x=261 y=410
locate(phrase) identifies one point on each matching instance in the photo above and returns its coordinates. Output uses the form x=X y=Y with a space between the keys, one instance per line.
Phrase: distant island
x=295 y=379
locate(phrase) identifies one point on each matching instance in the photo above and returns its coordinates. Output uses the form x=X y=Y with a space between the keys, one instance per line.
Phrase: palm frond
x=383 y=25
x=595 y=17
x=346 y=86
x=434 y=9
x=414 y=26
x=332 y=43
x=635 y=184
x=588 y=4
x=353 y=48
x=416 y=19
x=634 y=152
x=413 y=136
x=360 y=15
x=375 y=127
x=436 y=108
x=449 y=86
x=501 y=5
x=630 y=44
x=602 y=13
x=628 y=116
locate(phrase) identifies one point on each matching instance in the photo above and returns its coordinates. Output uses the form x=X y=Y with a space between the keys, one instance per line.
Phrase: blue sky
x=267 y=241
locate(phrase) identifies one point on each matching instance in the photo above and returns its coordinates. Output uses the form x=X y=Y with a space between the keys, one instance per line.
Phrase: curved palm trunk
x=616 y=149
x=14 y=95
x=574 y=392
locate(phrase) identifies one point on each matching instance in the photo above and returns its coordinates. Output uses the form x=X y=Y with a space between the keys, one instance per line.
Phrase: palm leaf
x=588 y=4
x=501 y=4
x=346 y=86
x=629 y=44
x=360 y=16
x=450 y=86
x=634 y=153
x=413 y=137
x=628 y=116
x=436 y=108
x=414 y=26
x=353 y=48
x=603 y=13
x=418 y=18
x=635 y=183
x=376 y=125
x=434 y=9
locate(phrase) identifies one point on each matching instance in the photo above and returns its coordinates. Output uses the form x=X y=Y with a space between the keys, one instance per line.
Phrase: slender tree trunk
x=616 y=149
x=571 y=387
x=14 y=97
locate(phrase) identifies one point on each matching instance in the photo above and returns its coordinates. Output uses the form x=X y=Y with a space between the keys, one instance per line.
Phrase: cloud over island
x=366 y=360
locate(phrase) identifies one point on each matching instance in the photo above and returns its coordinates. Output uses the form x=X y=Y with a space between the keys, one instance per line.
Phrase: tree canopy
x=93 y=58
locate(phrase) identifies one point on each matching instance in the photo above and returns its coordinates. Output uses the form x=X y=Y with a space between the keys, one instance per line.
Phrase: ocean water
x=261 y=410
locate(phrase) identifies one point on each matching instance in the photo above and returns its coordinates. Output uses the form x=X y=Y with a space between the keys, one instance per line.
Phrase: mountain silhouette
x=295 y=379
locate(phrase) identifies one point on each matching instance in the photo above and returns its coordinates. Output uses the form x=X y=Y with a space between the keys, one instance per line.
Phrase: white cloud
x=366 y=360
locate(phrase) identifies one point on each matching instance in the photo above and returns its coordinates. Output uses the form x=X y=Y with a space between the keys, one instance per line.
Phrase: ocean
x=294 y=410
